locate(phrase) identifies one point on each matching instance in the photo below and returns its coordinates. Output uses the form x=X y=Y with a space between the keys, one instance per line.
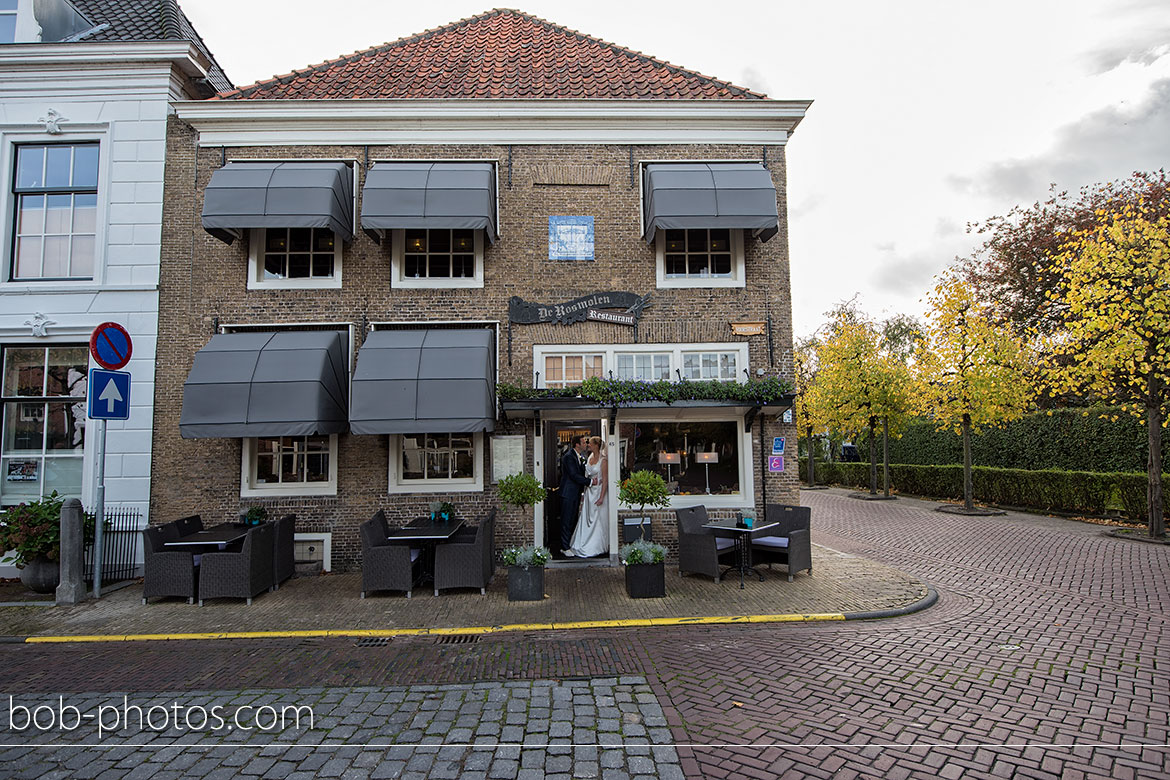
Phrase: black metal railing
x=119 y=545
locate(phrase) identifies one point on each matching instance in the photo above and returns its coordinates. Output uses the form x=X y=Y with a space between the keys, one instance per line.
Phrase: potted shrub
x=31 y=533
x=253 y=515
x=525 y=572
x=645 y=569
x=642 y=489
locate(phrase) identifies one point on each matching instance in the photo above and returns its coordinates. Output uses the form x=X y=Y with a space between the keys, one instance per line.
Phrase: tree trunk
x=812 y=455
x=1157 y=522
x=872 y=456
x=886 y=455
x=968 y=489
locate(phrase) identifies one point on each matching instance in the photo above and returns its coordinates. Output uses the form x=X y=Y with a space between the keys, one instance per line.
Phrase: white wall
x=123 y=107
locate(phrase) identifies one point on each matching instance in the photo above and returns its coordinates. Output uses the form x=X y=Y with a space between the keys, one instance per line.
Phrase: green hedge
x=1080 y=492
x=1068 y=440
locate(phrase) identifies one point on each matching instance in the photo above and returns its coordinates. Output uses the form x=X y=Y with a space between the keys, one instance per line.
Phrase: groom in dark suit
x=573 y=481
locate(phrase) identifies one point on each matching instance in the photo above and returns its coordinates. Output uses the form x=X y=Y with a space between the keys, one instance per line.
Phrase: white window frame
x=257 y=238
x=737 y=265
x=79 y=134
x=43 y=455
x=250 y=489
x=717 y=353
x=619 y=354
x=396 y=484
x=398 y=267
x=609 y=354
x=568 y=353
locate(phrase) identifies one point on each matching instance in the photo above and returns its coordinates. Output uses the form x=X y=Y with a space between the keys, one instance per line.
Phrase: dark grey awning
x=460 y=195
x=423 y=381
x=243 y=195
x=709 y=195
x=288 y=383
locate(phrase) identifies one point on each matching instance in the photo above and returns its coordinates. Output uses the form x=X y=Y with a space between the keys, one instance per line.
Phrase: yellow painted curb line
x=393 y=632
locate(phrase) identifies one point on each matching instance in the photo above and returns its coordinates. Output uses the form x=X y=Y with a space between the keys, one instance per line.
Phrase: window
x=700 y=258
x=436 y=462
x=290 y=465
x=709 y=365
x=44 y=391
x=294 y=257
x=55 y=189
x=695 y=458
x=648 y=367
x=568 y=365
x=8 y=20
x=437 y=258
x=570 y=370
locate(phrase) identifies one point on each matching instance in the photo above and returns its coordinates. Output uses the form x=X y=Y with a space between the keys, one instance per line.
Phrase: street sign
x=109 y=394
x=775 y=463
x=777 y=445
x=110 y=346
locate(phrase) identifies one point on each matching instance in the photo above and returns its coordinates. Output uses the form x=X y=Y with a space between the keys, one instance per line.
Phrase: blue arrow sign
x=109 y=394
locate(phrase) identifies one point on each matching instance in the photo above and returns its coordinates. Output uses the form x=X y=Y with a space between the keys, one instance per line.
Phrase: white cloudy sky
x=928 y=115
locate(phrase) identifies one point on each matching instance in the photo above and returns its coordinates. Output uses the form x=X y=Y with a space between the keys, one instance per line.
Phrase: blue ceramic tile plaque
x=570 y=238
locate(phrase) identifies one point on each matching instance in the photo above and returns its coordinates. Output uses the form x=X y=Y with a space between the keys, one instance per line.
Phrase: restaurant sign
x=587 y=307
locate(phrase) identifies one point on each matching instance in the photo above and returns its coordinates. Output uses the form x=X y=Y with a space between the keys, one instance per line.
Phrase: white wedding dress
x=592 y=534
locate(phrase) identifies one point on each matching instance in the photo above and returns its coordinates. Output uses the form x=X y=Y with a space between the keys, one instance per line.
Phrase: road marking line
x=393 y=632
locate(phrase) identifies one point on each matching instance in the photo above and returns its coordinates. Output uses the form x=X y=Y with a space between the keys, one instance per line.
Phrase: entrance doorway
x=558 y=437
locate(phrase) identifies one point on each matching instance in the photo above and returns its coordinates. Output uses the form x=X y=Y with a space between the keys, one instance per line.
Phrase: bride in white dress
x=592 y=535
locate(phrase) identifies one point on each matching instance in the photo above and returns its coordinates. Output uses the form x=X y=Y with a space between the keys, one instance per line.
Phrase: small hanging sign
x=747 y=328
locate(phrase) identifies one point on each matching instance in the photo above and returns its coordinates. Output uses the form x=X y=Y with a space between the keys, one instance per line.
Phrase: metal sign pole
x=99 y=509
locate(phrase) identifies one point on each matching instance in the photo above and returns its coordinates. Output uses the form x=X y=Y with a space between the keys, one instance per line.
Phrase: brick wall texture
x=203 y=282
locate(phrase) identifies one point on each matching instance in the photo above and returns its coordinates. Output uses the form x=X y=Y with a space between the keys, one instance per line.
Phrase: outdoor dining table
x=743 y=543
x=225 y=533
x=427 y=533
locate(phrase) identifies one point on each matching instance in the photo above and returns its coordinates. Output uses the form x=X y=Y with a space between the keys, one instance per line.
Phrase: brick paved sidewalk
x=841 y=583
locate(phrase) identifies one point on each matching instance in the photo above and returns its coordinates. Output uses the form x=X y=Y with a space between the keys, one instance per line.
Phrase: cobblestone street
x=1044 y=658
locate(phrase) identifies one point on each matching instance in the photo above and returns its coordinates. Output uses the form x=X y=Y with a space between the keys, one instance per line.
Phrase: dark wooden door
x=558 y=437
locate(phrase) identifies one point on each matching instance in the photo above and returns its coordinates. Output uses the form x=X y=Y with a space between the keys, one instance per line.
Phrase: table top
x=425 y=528
x=219 y=534
x=723 y=527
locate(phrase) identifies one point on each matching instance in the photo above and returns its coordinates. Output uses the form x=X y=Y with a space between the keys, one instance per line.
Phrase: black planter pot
x=40 y=575
x=646 y=580
x=525 y=583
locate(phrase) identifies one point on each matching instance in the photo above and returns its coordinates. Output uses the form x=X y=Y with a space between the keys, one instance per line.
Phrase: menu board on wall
x=507 y=456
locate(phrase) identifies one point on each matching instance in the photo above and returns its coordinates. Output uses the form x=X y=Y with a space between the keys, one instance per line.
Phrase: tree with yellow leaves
x=972 y=373
x=860 y=382
x=1116 y=342
x=808 y=413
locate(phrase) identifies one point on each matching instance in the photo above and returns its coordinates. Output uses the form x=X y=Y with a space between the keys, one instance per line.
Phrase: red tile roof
x=498 y=54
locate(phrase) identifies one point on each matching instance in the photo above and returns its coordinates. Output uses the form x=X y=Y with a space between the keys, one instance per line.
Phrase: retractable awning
x=452 y=195
x=709 y=195
x=422 y=381
x=288 y=383
x=288 y=194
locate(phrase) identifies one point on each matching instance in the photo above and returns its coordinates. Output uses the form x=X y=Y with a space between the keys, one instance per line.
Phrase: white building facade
x=84 y=95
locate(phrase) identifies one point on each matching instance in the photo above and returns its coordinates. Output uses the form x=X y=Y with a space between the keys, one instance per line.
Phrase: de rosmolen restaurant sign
x=578 y=310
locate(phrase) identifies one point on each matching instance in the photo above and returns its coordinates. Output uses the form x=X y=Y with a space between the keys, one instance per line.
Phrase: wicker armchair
x=189 y=525
x=166 y=572
x=467 y=562
x=790 y=543
x=385 y=566
x=241 y=575
x=699 y=550
x=283 y=552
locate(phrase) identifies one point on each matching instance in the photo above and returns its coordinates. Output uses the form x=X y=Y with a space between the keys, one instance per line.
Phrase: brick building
x=358 y=254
